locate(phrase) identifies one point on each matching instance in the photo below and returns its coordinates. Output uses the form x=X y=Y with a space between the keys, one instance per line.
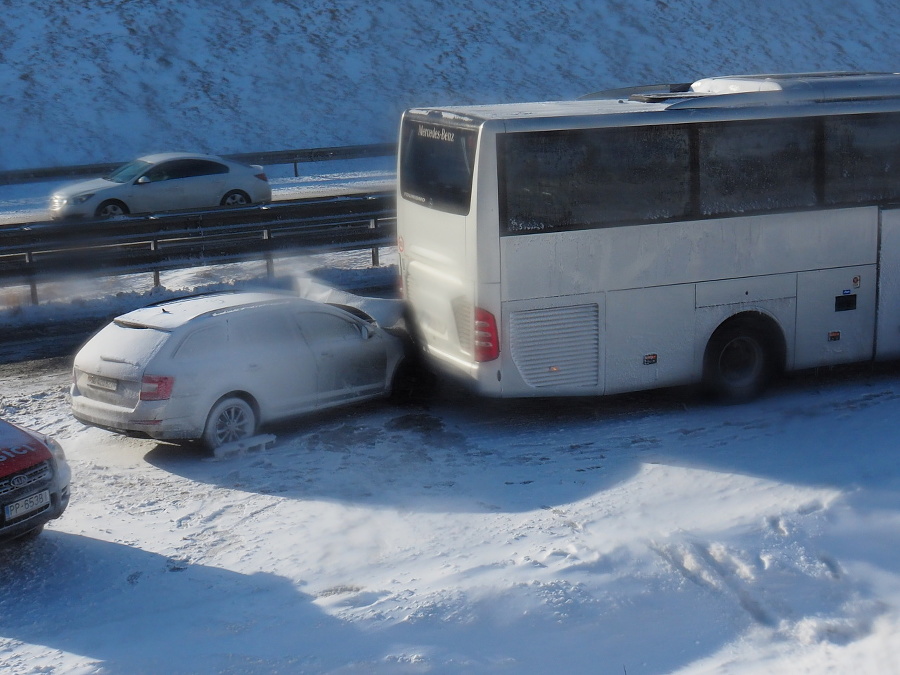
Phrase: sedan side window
x=203 y=167
x=185 y=168
x=164 y=171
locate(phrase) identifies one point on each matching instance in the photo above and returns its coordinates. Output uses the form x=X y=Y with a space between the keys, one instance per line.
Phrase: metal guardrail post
x=270 y=260
x=153 y=247
x=32 y=282
x=373 y=224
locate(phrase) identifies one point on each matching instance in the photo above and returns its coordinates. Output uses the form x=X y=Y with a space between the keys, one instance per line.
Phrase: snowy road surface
x=651 y=533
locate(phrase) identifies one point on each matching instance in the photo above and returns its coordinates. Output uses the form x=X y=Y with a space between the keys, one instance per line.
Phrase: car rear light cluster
x=262 y=177
x=487 y=340
x=156 y=387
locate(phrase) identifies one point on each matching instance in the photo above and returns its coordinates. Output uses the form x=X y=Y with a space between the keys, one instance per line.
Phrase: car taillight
x=262 y=176
x=487 y=341
x=156 y=387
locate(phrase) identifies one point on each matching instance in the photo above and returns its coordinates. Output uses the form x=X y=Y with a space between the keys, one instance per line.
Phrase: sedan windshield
x=129 y=171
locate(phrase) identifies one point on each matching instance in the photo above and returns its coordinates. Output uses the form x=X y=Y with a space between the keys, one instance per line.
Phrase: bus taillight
x=487 y=340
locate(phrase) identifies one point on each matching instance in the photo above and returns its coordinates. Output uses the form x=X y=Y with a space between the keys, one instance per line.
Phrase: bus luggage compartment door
x=835 y=316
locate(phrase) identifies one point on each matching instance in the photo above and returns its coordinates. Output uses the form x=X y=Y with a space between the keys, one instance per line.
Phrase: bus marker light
x=834 y=336
x=650 y=359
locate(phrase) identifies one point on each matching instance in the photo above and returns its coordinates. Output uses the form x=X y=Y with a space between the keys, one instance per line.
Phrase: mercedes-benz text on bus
x=718 y=231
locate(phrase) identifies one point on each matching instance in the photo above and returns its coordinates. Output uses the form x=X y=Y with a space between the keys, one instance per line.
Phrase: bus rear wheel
x=738 y=363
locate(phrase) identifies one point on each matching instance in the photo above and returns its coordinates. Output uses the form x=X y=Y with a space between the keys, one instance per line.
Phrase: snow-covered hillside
x=83 y=81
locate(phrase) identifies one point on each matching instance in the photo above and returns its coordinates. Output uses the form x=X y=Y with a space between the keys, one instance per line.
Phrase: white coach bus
x=712 y=232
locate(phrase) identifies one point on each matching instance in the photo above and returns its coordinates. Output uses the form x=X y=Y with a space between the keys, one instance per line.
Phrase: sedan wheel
x=111 y=209
x=236 y=198
x=231 y=419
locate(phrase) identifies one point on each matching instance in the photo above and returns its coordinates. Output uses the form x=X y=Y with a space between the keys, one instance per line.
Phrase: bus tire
x=739 y=361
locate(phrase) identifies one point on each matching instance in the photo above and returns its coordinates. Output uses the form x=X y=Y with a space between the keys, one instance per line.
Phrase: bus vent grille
x=558 y=346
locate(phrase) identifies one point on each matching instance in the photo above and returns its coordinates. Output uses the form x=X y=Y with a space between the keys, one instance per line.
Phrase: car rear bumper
x=148 y=419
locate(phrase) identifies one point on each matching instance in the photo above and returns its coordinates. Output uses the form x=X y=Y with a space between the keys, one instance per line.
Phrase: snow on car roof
x=165 y=156
x=174 y=313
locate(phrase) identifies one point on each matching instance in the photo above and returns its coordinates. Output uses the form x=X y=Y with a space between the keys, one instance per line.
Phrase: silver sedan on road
x=164 y=182
x=215 y=367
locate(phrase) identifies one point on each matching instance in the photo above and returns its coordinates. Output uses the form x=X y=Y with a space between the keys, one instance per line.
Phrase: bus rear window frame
x=462 y=205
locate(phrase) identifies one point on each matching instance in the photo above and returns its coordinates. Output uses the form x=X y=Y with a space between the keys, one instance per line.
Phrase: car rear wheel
x=111 y=209
x=231 y=419
x=236 y=198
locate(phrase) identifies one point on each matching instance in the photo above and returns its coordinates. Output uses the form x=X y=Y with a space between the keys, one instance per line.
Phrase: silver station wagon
x=215 y=367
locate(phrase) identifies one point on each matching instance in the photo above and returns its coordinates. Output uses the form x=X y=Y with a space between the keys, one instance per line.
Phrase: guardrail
x=41 y=251
x=294 y=157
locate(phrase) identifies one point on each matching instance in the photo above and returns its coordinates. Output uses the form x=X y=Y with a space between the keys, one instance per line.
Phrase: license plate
x=107 y=383
x=26 y=505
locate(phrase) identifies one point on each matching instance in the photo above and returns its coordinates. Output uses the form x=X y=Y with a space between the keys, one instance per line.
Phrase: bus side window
x=595 y=177
x=757 y=166
x=862 y=159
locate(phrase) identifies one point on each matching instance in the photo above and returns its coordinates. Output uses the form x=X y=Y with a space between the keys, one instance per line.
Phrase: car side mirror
x=143 y=180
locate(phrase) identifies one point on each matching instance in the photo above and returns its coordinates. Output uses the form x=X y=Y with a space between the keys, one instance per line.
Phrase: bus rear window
x=436 y=165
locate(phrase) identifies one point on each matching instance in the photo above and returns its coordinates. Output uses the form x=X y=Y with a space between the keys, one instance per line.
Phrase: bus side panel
x=546 y=266
x=619 y=258
x=835 y=316
x=888 y=330
x=649 y=338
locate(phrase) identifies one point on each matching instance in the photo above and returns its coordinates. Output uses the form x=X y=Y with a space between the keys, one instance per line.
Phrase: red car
x=34 y=481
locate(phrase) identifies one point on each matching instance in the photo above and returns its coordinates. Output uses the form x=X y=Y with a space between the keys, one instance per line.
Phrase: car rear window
x=128 y=343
